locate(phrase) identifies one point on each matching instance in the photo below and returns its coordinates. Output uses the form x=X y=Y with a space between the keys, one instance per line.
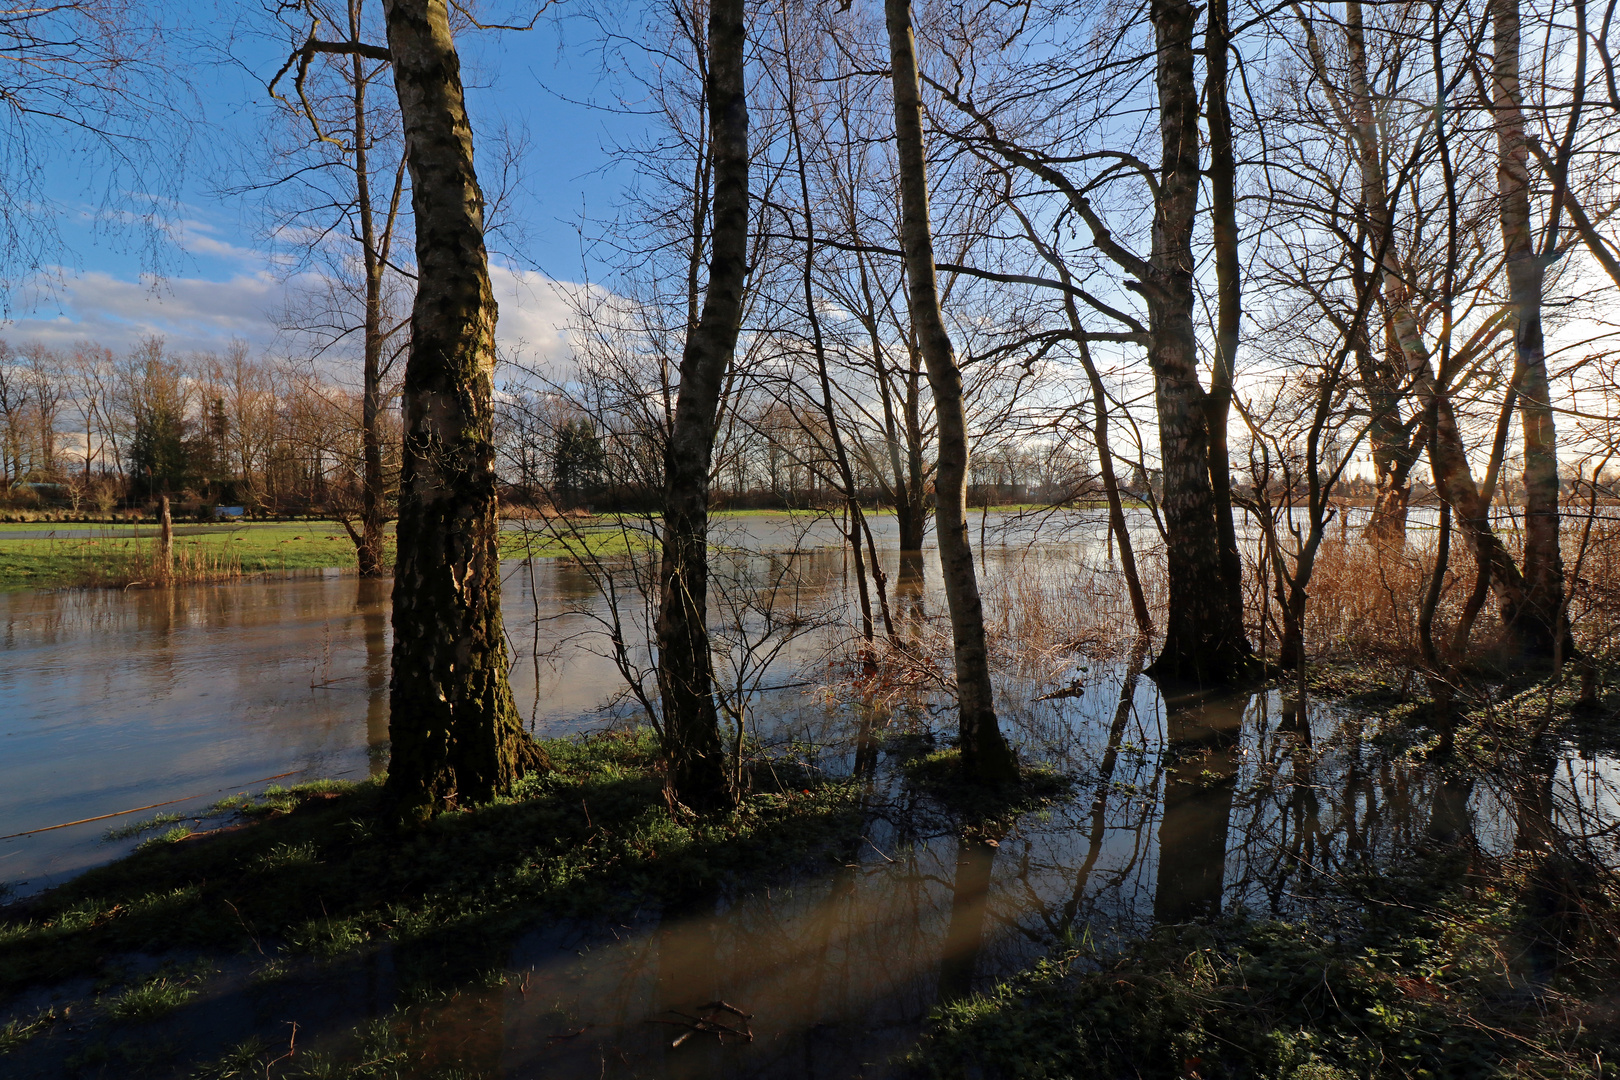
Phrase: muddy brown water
x=1186 y=810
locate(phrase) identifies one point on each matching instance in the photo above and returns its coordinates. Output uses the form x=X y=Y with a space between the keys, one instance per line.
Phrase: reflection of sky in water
x=114 y=700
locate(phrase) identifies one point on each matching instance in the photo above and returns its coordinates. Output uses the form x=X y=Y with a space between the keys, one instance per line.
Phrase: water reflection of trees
x=1198 y=808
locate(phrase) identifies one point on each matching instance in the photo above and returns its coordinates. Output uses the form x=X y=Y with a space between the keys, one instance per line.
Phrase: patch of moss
x=987 y=808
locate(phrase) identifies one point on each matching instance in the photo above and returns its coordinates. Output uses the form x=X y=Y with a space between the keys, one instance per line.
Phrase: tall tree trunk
x=1540 y=617
x=1229 y=289
x=692 y=748
x=914 y=516
x=454 y=730
x=369 y=550
x=1394 y=450
x=985 y=754
x=1204 y=640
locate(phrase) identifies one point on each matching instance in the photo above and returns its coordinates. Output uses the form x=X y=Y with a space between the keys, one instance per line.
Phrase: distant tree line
x=92 y=431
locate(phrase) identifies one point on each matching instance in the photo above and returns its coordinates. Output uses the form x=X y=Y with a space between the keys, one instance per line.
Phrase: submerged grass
x=20 y=1030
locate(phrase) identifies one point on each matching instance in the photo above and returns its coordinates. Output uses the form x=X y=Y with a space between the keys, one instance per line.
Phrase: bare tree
x=1540 y=619
x=685 y=668
x=45 y=371
x=13 y=418
x=92 y=79
x=337 y=184
x=985 y=753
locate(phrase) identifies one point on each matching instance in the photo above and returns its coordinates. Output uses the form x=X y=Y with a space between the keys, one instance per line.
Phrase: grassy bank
x=1422 y=971
x=309 y=884
x=75 y=556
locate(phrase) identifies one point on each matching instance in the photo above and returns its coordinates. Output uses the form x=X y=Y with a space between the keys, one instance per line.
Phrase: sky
x=218 y=281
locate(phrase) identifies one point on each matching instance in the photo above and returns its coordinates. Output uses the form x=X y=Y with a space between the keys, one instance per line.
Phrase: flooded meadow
x=1163 y=808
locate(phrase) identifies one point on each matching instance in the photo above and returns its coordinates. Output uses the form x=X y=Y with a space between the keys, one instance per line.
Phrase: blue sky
x=217 y=280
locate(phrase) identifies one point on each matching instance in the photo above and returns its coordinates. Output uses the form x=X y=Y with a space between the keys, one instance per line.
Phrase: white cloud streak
x=200 y=315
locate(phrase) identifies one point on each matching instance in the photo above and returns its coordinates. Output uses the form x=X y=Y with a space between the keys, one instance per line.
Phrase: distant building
x=228 y=511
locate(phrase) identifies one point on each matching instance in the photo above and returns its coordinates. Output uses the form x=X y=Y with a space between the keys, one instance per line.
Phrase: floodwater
x=1183 y=809
x=113 y=700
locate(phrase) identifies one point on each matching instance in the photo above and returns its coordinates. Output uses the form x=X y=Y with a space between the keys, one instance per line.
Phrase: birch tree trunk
x=1540 y=615
x=1204 y=639
x=985 y=753
x=693 y=754
x=454 y=730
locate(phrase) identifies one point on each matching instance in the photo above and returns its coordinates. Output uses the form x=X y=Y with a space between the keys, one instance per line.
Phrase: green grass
x=322 y=875
x=137 y=828
x=226 y=551
x=20 y=1030
x=155 y=997
x=1416 y=984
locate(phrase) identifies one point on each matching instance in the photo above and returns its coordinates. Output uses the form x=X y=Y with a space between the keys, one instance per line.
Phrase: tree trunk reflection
x=1201 y=740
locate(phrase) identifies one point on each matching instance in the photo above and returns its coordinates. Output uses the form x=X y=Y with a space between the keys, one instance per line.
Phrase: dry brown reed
x=145 y=568
x=1366 y=599
x=1045 y=606
x=1041 y=608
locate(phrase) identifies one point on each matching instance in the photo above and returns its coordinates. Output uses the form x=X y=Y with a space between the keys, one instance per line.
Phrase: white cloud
x=196 y=314
x=534 y=316
x=189 y=313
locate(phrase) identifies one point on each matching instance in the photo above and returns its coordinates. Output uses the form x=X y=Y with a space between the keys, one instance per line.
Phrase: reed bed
x=1048 y=605
x=1042 y=609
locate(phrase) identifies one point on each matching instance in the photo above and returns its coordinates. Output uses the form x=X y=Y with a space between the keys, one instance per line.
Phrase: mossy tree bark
x=697 y=775
x=985 y=753
x=455 y=732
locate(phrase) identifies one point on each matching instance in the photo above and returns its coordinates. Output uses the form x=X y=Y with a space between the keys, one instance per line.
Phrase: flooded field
x=1179 y=809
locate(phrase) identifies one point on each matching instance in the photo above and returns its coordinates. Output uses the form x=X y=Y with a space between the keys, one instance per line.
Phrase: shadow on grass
x=1419 y=976
x=359 y=918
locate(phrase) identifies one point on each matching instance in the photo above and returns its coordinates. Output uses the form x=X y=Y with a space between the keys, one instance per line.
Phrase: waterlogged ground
x=1158 y=812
